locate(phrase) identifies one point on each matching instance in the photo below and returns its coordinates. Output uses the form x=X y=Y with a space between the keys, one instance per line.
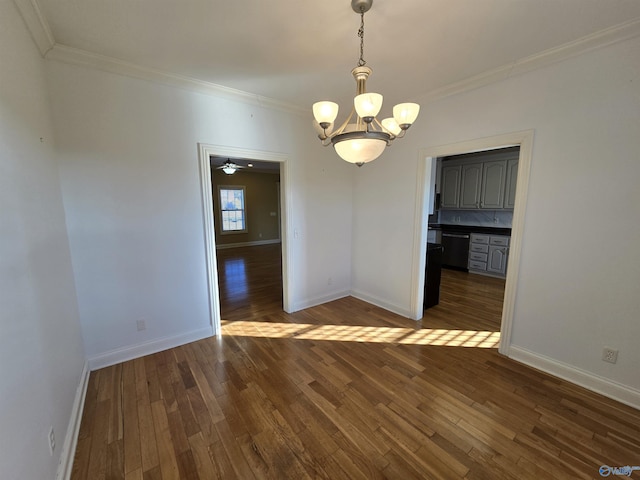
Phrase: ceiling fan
x=229 y=167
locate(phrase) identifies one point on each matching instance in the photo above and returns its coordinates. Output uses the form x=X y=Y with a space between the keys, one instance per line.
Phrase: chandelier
x=362 y=138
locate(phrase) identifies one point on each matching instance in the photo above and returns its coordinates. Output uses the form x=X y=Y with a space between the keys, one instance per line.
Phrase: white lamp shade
x=229 y=170
x=325 y=112
x=360 y=150
x=406 y=113
x=368 y=104
x=391 y=126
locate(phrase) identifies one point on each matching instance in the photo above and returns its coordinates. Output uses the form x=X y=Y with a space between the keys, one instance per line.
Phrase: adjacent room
x=430 y=270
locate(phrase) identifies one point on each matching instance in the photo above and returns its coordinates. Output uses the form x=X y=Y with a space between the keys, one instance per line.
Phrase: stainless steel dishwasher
x=456 y=250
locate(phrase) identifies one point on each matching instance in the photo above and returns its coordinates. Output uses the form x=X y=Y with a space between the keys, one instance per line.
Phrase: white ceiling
x=302 y=51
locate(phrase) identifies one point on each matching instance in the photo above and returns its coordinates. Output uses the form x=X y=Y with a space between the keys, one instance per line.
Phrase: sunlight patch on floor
x=354 y=333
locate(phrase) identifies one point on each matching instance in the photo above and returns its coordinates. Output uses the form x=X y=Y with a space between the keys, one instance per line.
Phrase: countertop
x=449 y=228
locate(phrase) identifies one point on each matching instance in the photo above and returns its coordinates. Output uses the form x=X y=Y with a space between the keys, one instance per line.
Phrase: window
x=232 y=210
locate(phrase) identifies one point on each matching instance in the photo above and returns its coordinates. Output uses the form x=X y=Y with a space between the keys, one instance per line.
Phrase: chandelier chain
x=361 y=61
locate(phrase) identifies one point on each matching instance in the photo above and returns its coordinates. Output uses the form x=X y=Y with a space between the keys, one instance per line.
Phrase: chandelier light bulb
x=391 y=126
x=360 y=150
x=405 y=114
x=368 y=105
x=325 y=113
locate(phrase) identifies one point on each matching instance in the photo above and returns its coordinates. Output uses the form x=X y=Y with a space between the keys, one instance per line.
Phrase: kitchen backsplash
x=477 y=218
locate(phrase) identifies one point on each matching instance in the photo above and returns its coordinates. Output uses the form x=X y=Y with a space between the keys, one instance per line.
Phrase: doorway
x=424 y=198
x=205 y=153
x=247 y=235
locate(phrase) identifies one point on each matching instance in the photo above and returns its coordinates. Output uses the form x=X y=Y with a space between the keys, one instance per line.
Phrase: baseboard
x=73 y=429
x=247 y=244
x=312 y=302
x=595 y=383
x=404 y=312
x=124 y=354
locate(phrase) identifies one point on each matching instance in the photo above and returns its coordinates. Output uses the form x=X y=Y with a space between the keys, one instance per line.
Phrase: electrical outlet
x=52 y=441
x=609 y=355
x=140 y=325
x=329 y=281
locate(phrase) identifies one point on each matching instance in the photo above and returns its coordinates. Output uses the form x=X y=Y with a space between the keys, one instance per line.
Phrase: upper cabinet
x=493 y=184
x=510 y=184
x=450 y=189
x=471 y=185
x=484 y=181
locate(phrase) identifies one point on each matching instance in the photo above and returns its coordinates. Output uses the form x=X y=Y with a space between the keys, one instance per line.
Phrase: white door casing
x=524 y=140
x=205 y=152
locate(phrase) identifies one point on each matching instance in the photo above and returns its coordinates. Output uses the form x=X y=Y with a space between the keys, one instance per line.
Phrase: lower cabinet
x=488 y=254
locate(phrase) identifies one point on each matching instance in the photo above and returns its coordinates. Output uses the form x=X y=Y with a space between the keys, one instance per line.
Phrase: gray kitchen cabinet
x=497 y=260
x=484 y=180
x=510 y=184
x=450 y=188
x=488 y=254
x=493 y=184
x=470 y=185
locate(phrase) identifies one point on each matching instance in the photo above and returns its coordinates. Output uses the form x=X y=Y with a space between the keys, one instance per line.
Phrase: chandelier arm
x=380 y=127
x=326 y=141
x=342 y=127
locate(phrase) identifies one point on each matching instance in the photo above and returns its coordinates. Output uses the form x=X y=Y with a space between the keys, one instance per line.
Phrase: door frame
x=205 y=151
x=428 y=155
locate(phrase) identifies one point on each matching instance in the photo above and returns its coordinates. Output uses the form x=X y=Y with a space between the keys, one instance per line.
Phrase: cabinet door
x=510 y=185
x=450 y=188
x=493 y=177
x=497 y=261
x=470 y=185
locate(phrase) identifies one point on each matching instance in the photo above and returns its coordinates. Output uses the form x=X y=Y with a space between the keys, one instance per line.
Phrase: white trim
x=421 y=217
x=125 y=354
x=76 y=56
x=257 y=243
x=515 y=244
x=312 y=302
x=204 y=165
x=602 y=38
x=525 y=140
x=204 y=155
x=73 y=429
x=38 y=27
x=36 y=24
x=378 y=302
x=595 y=383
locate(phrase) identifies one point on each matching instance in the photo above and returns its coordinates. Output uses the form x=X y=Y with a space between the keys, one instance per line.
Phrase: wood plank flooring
x=347 y=390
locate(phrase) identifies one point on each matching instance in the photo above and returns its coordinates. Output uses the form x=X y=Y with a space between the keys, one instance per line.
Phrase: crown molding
x=45 y=41
x=582 y=45
x=36 y=24
x=79 y=57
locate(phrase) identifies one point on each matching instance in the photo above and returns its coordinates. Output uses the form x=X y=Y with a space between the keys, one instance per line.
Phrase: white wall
x=580 y=268
x=41 y=355
x=132 y=196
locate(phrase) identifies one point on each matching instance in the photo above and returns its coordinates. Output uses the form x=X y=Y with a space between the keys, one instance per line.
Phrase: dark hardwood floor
x=346 y=390
x=250 y=281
